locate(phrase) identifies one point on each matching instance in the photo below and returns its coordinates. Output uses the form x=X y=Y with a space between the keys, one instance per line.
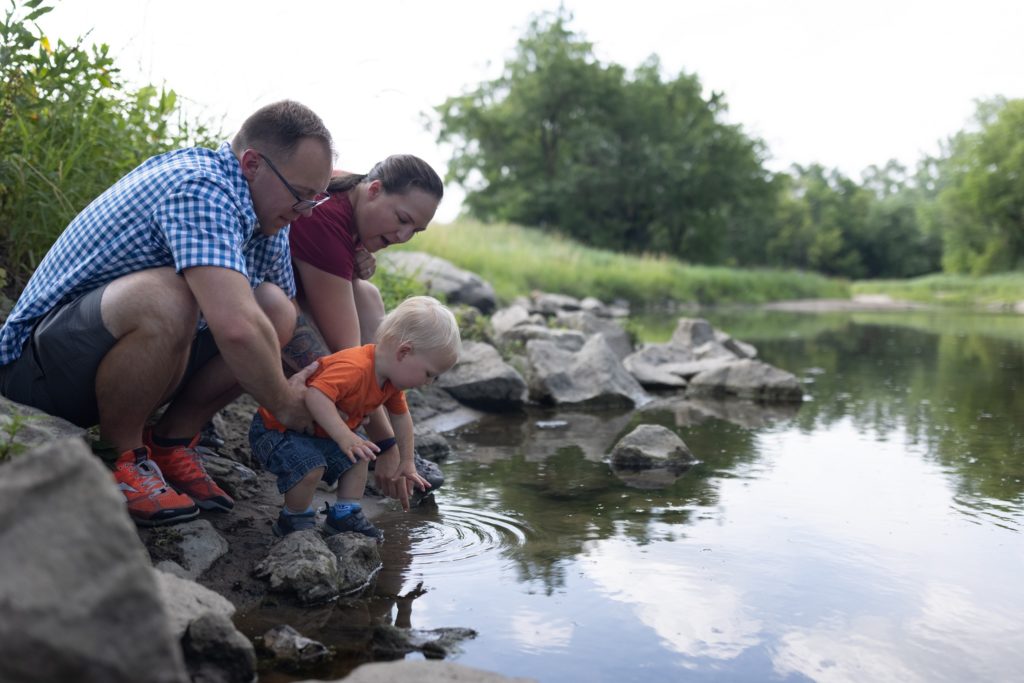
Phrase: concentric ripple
x=459 y=537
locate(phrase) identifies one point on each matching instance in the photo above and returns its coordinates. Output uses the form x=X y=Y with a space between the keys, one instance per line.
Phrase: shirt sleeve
x=395 y=403
x=202 y=227
x=270 y=260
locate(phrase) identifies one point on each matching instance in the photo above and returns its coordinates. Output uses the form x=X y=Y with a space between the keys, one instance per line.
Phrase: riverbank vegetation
x=636 y=184
x=517 y=260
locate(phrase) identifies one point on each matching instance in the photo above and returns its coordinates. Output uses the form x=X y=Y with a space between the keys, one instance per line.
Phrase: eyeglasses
x=300 y=204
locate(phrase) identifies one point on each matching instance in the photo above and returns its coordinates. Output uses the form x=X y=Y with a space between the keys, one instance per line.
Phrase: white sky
x=846 y=84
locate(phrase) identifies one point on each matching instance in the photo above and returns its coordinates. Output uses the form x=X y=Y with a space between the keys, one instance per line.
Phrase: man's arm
x=247 y=341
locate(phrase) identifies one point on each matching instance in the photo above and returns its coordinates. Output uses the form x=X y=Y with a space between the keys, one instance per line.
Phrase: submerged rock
x=289 y=649
x=437 y=643
x=650 y=446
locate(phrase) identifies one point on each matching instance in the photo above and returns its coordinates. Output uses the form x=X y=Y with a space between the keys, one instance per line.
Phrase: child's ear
x=404 y=349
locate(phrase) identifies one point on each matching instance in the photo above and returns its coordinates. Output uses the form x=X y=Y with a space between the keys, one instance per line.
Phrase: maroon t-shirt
x=326 y=239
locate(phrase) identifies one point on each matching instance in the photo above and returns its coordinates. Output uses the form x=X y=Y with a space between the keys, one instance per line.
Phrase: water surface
x=873 y=534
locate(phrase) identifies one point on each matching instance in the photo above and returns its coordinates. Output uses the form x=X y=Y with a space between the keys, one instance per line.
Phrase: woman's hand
x=366 y=264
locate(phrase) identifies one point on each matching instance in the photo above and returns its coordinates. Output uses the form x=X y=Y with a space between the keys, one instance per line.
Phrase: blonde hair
x=425 y=323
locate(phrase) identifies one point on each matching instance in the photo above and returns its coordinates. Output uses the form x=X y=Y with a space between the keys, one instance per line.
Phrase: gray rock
x=593 y=376
x=185 y=601
x=217 y=652
x=570 y=340
x=431 y=445
x=505 y=319
x=236 y=479
x=291 y=650
x=692 y=332
x=483 y=380
x=750 y=379
x=358 y=561
x=438 y=643
x=616 y=336
x=75 y=581
x=35 y=428
x=650 y=446
x=301 y=564
x=441 y=277
x=186 y=550
x=551 y=304
x=648 y=365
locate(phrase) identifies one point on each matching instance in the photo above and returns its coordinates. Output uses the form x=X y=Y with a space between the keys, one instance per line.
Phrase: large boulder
x=482 y=379
x=441 y=277
x=31 y=427
x=76 y=583
x=747 y=378
x=650 y=446
x=593 y=376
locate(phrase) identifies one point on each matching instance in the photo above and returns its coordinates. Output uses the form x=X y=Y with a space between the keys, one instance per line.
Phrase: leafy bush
x=69 y=128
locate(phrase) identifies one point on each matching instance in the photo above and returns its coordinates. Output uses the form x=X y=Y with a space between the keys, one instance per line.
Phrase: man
x=173 y=285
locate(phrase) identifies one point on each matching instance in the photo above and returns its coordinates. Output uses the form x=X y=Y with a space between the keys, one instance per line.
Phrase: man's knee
x=279 y=309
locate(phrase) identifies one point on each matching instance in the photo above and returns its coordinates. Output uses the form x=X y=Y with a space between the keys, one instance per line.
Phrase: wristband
x=387 y=443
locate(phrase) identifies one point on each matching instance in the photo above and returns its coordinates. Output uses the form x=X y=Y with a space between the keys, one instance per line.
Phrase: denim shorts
x=291 y=455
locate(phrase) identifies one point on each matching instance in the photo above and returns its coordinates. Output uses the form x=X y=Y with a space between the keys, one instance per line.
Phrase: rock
x=747 y=379
x=430 y=445
x=235 y=478
x=185 y=601
x=291 y=650
x=593 y=376
x=441 y=277
x=303 y=565
x=616 y=336
x=648 y=365
x=483 y=380
x=425 y=672
x=505 y=319
x=217 y=652
x=438 y=643
x=735 y=346
x=650 y=446
x=550 y=305
x=75 y=581
x=34 y=427
x=570 y=340
x=358 y=561
x=186 y=550
x=691 y=333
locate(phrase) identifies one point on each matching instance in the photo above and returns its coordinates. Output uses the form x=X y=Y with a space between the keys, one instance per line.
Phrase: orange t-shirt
x=347 y=378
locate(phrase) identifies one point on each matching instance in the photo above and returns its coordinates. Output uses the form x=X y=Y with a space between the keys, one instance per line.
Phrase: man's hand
x=366 y=264
x=292 y=412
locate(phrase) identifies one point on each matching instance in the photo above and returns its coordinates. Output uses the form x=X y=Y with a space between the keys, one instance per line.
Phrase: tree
x=980 y=210
x=69 y=128
x=629 y=162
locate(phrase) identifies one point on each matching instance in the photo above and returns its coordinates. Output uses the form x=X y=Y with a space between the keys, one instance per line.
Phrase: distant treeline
x=629 y=161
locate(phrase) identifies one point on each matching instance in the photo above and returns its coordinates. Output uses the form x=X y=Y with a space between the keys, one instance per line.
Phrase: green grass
x=994 y=291
x=517 y=260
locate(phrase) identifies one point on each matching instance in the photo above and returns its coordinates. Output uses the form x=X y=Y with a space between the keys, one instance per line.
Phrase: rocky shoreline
x=77 y=575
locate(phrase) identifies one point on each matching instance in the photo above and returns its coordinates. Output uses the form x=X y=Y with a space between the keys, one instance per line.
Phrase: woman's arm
x=331 y=303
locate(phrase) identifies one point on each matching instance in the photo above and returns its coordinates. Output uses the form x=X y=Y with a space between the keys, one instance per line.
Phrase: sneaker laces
x=146 y=476
x=187 y=463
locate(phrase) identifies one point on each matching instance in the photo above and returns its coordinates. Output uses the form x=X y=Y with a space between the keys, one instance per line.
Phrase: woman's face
x=384 y=219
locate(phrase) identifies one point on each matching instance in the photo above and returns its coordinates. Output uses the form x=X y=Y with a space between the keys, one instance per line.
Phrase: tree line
x=633 y=161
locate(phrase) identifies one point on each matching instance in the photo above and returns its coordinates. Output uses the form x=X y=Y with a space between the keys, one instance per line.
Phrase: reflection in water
x=872 y=534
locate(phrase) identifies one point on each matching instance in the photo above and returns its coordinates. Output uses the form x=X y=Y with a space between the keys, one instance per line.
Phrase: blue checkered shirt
x=187 y=208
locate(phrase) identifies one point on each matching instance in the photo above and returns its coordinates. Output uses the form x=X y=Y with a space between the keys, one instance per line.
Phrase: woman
x=332 y=255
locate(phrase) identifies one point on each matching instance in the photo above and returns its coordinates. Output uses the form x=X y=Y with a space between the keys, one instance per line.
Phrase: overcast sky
x=846 y=84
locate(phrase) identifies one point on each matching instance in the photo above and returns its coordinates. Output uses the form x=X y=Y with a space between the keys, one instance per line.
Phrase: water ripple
x=460 y=536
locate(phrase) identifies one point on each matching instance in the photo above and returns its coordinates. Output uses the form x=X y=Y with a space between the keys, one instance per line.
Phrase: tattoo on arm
x=305 y=347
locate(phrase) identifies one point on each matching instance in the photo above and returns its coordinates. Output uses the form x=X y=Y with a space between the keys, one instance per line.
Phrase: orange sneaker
x=150 y=501
x=183 y=468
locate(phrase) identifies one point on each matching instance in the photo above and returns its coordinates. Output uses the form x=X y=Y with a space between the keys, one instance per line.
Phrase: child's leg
x=352 y=483
x=299 y=497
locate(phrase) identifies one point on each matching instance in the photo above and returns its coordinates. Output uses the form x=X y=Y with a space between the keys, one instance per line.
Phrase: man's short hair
x=424 y=322
x=278 y=128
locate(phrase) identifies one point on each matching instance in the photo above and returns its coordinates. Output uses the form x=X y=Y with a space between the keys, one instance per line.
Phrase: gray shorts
x=56 y=371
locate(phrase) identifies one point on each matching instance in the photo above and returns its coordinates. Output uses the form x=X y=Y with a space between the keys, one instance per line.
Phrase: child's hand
x=357 y=449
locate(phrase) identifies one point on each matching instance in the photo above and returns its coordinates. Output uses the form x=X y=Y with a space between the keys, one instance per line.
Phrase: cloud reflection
x=537 y=631
x=694 y=615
